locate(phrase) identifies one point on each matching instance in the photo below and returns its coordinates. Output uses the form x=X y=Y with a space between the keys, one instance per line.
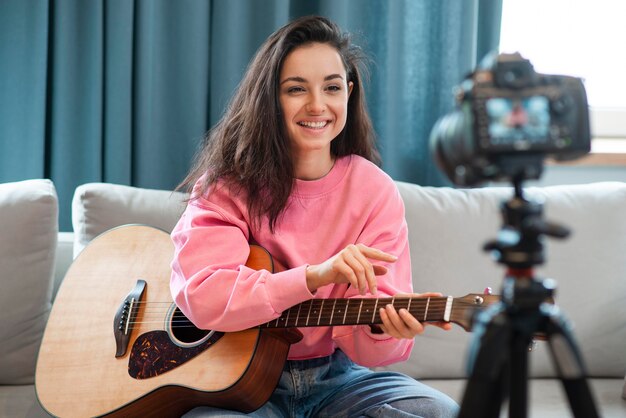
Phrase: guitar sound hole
x=184 y=331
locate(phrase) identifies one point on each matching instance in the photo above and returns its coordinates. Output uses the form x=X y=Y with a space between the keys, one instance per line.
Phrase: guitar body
x=86 y=362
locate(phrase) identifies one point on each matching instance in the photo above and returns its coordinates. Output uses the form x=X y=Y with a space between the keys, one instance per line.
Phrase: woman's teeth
x=314 y=125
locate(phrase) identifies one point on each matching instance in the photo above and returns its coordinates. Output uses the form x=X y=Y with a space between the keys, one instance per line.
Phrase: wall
x=580 y=174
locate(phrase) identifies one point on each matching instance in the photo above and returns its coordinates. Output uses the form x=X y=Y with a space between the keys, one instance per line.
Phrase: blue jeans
x=336 y=387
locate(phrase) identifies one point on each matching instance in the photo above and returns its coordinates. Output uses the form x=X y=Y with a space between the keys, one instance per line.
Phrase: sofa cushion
x=97 y=207
x=28 y=236
x=20 y=401
x=447 y=228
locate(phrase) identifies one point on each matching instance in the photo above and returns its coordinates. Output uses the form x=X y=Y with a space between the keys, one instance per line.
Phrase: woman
x=291 y=167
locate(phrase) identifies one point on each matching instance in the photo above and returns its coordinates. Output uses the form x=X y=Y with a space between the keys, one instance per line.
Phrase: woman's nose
x=315 y=104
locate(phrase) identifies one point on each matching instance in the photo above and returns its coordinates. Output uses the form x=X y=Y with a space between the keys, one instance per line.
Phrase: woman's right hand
x=350 y=265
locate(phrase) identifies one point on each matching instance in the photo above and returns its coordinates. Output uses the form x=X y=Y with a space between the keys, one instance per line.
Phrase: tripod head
x=519 y=244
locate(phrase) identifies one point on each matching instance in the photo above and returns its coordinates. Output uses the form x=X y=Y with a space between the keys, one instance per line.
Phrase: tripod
x=503 y=333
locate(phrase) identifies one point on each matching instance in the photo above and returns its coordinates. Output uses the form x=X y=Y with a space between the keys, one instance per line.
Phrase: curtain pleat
x=123 y=91
x=75 y=99
x=23 y=80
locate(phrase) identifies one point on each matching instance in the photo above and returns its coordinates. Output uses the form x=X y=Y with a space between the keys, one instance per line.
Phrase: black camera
x=509 y=118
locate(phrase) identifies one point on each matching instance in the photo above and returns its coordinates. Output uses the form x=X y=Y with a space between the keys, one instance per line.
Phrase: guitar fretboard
x=327 y=312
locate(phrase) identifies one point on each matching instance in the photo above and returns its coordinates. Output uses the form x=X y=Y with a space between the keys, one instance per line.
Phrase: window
x=580 y=38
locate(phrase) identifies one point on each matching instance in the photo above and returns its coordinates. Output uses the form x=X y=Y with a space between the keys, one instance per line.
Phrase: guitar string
x=349 y=319
x=325 y=319
x=316 y=311
x=386 y=298
x=327 y=315
x=366 y=308
x=371 y=300
x=389 y=300
x=324 y=316
x=327 y=308
x=385 y=301
x=347 y=323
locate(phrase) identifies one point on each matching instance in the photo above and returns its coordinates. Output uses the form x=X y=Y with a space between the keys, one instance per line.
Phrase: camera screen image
x=518 y=121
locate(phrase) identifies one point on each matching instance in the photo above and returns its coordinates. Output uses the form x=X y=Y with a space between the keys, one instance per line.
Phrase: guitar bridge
x=124 y=318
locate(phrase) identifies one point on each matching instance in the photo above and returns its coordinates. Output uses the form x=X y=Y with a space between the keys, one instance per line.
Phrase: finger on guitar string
x=400 y=324
x=440 y=324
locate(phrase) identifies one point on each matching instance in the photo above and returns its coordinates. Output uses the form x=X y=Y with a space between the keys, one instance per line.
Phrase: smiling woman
x=314 y=102
x=291 y=167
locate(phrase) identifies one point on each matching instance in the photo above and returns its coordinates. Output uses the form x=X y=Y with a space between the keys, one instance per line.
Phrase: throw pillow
x=98 y=207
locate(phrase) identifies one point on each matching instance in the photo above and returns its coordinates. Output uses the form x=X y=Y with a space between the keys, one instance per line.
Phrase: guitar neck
x=365 y=311
x=329 y=312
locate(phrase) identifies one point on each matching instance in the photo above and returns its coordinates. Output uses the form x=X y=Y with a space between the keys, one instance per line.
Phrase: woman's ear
x=350 y=86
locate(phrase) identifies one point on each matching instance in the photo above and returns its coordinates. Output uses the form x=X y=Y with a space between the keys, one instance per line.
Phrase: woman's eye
x=334 y=88
x=295 y=89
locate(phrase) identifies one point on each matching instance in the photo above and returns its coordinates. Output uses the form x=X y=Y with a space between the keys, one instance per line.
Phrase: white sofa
x=447 y=230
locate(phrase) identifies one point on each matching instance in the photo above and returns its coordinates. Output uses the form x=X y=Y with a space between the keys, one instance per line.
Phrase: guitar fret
x=309 y=313
x=321 y=309
x=426 y=309
x=298 y=316
x=287 y=320
x=374 y=313
x=346 y=310
x=332 y=312
x=359 y=315
x=408 y=308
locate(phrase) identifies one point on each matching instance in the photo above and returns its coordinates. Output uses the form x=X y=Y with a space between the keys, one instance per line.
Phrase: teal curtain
x=123 y=91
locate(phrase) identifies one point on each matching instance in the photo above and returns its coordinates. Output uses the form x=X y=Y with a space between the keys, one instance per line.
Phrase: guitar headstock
x=465 y=307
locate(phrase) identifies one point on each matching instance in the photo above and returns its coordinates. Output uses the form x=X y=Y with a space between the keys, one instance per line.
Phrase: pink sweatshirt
x=355 y=203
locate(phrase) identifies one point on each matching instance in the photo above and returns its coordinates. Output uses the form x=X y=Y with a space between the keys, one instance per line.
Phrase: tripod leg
x=569 y=365
x=489 y=366
x=518 y=399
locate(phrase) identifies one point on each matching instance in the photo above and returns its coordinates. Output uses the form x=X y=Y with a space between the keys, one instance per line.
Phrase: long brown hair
x=249 y=148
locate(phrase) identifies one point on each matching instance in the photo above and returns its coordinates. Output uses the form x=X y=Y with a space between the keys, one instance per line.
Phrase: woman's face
x=313 y=94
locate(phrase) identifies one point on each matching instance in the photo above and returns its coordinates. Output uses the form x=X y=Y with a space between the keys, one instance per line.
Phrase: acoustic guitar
x=116 y=344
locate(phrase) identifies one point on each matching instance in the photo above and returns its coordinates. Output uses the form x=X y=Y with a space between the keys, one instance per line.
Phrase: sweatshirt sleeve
x=210 y=282
x=386 y=230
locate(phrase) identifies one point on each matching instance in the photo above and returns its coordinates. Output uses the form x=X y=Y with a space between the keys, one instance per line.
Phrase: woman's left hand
x=401 y=324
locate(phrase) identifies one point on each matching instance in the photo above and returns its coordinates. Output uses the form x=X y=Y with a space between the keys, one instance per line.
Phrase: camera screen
x=518 y=121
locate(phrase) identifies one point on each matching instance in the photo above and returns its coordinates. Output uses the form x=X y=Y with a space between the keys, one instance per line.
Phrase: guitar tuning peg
x=488 y=291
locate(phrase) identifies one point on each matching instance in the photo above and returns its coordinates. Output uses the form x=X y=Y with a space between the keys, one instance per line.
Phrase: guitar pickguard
x=154 y=353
